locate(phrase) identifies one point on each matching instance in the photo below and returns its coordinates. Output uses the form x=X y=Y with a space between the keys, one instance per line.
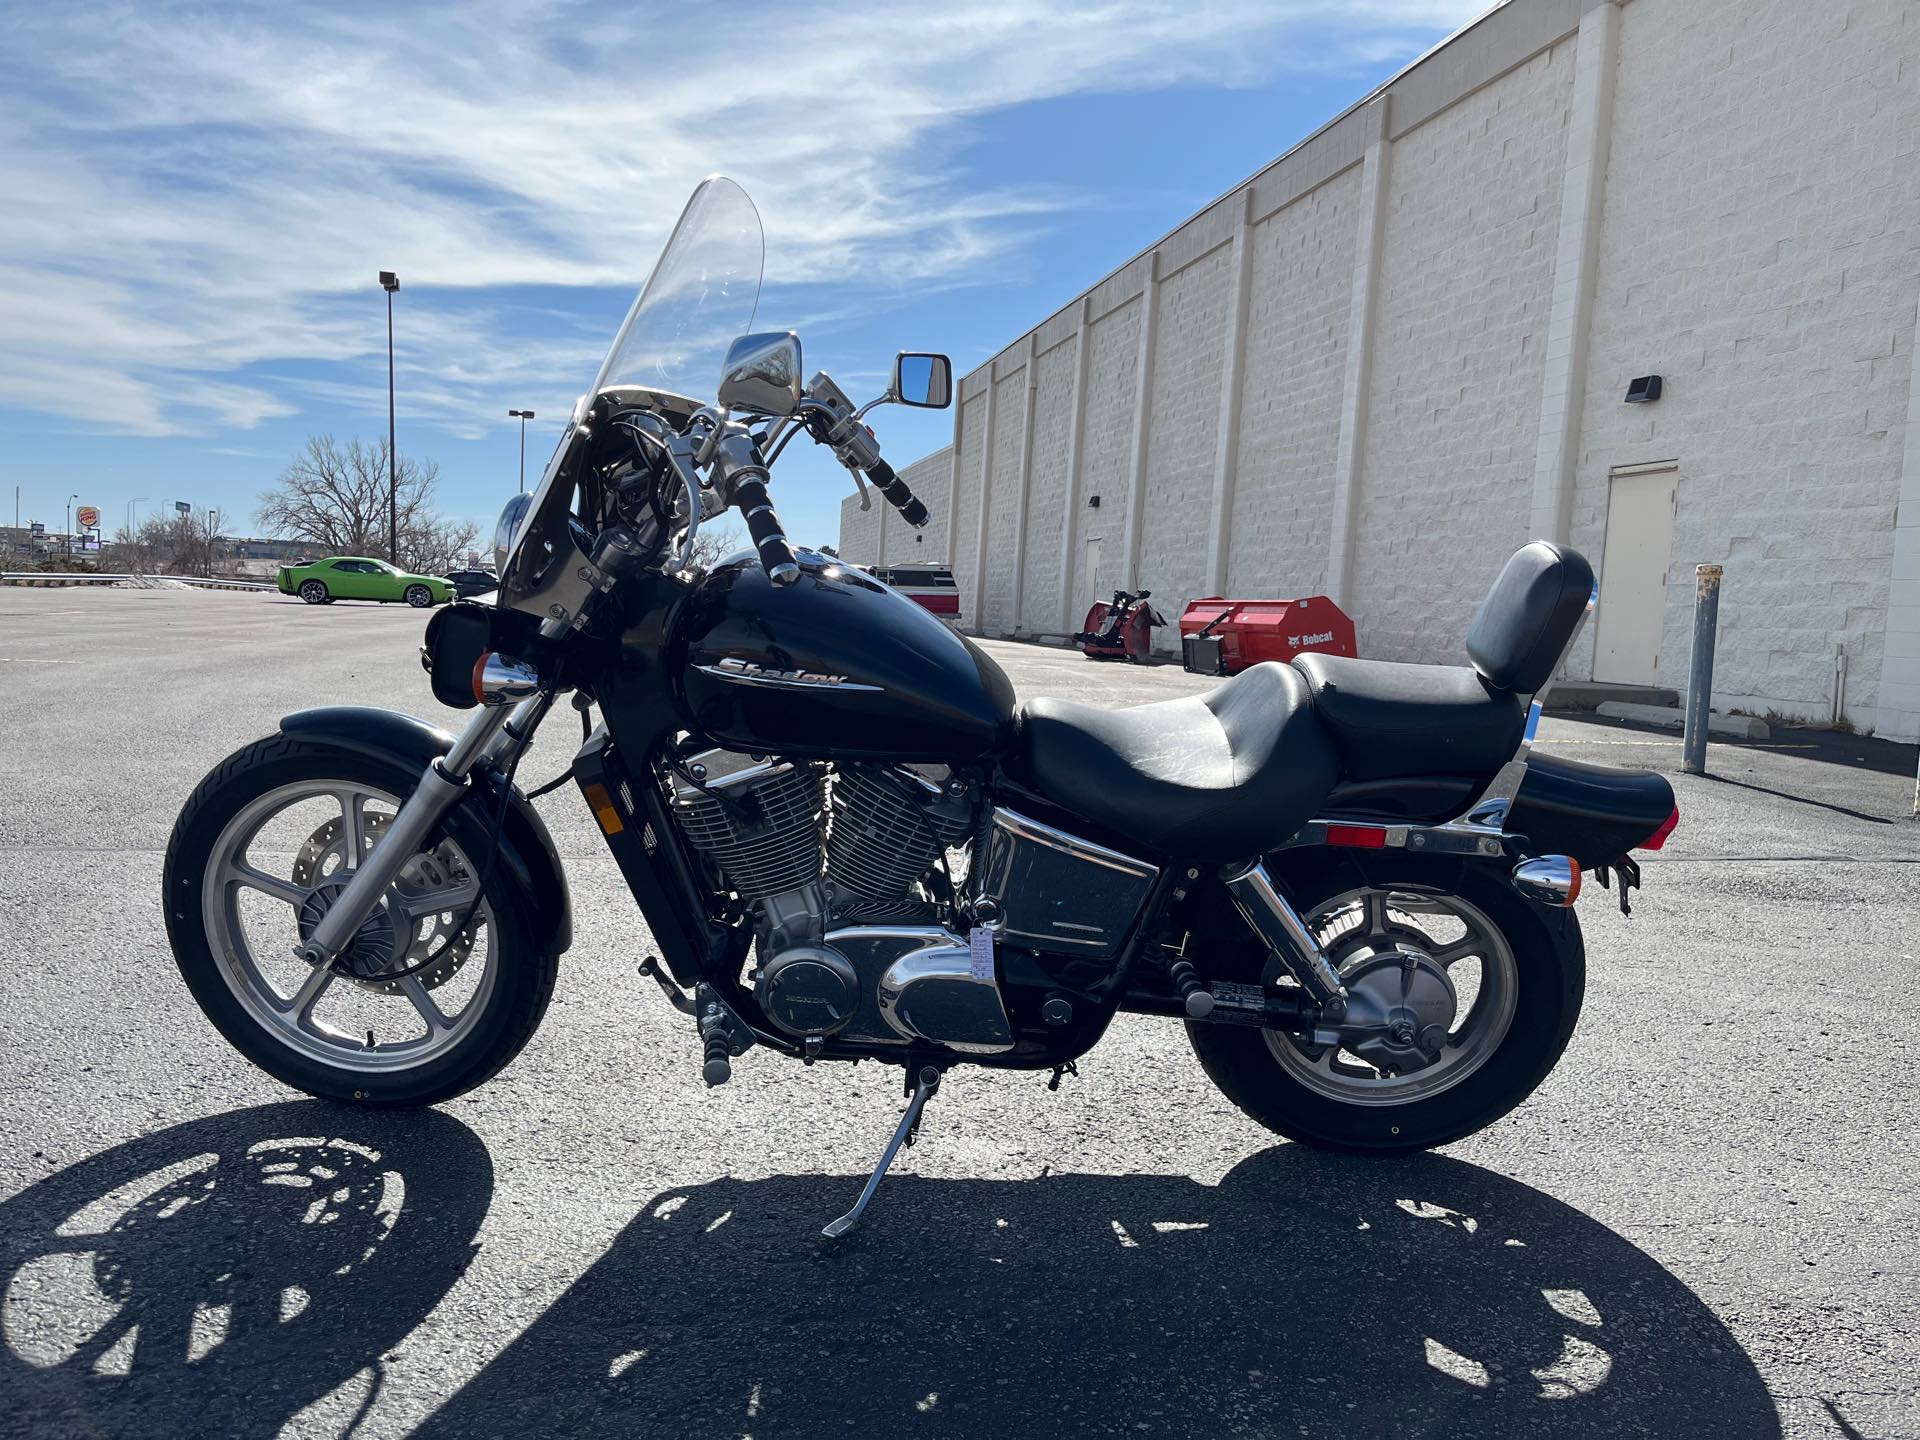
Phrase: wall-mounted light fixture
x=1093 y=502
x=1643 y=390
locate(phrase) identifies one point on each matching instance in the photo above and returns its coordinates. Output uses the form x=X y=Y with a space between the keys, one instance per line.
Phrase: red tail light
x=1357 y=837
x=1659 y=837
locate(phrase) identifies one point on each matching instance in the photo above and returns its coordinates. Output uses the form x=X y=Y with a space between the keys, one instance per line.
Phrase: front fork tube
x=491 y=735
x=1277 y=923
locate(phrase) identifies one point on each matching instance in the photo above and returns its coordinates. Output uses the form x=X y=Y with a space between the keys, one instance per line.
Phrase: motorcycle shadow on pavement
x=217 y=1277
x=1305 y=1294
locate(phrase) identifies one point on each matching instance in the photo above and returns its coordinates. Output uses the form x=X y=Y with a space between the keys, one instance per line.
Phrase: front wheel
x=263 y=846
x=1500 y=977
x=419 y=596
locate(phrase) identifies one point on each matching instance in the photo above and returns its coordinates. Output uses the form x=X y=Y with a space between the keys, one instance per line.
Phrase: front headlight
x=507 y=528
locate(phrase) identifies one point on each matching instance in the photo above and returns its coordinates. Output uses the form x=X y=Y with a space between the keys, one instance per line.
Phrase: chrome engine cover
x=915 y=984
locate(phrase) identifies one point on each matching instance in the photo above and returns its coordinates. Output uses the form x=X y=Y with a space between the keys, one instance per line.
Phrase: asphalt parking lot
x=1706 y=1221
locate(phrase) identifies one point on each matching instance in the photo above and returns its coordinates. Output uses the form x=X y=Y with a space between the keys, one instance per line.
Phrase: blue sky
x=199 y=198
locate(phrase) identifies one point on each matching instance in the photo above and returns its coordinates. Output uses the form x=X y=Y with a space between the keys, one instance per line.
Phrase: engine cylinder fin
x=879 y=840
x=761 y=825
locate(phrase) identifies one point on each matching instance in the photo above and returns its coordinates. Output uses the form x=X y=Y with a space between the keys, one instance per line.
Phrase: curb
x=1741 y=727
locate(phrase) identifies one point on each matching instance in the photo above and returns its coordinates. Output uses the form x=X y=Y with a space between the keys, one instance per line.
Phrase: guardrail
x=41 y=578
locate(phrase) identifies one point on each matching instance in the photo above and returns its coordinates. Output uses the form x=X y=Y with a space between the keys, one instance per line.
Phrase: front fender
x=527 y=853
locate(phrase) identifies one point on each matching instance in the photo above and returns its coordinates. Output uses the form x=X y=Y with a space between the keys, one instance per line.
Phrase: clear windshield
x=699 y=299
x=701 y=296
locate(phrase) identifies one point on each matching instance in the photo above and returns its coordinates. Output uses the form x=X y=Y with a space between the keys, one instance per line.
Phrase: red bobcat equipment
x=1224 y=637
x=1121 y=628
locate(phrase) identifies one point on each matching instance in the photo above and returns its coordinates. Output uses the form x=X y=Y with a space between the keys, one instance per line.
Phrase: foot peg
x=924 y=1086
x=1194 y=994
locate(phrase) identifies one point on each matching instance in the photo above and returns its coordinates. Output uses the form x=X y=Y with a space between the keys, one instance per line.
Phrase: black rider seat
x=1391 y=721
x=1212 y=777
x=1236 y=771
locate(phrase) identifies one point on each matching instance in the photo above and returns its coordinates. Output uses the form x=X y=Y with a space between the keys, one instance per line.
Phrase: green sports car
x=354 y=577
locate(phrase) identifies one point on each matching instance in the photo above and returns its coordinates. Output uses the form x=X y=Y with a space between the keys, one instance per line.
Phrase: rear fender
x=1595 y=813
x=527 y=854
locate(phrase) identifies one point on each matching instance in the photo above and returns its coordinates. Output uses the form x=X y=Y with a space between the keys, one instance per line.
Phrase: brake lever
x=680 y=452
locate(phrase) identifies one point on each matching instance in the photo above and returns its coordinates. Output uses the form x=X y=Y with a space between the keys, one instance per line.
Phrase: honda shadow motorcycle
x=1350 y=880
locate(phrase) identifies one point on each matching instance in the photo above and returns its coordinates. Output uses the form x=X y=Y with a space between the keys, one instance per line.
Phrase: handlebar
x=897 y=493
x=776 y=555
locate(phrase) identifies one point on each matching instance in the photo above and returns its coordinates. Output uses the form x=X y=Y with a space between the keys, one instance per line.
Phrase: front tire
x=1534 y=979
x=347 y=1037
x=420 y=597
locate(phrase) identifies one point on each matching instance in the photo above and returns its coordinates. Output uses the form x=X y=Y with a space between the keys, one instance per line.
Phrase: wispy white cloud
x=198 y=197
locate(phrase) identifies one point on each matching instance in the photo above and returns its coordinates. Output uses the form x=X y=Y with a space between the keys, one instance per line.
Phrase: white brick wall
x=1755 y=241
x=1010 y=414
x=1181 y=429
x=1761 y=251
x=859 y=532
x=1110 y=376
x=963 y=536
x=931 y=480
x=1452 y=415
x=1290 y=412
x=1047 y=488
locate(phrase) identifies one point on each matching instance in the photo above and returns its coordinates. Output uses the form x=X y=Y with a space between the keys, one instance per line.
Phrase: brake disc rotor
x=364 y=962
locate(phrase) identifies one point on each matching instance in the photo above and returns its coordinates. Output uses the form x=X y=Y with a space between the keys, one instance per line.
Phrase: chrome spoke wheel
x=1433 y=988
x=275 y=869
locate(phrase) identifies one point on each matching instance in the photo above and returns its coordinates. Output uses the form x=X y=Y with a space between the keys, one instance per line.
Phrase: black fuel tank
x=834 y=664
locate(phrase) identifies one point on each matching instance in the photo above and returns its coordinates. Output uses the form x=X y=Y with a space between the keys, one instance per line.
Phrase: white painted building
x=878 y=536
x=1403 y=349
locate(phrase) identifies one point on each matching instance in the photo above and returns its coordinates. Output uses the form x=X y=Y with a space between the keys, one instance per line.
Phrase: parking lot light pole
x=69 y=536
x=522 y=416
x=390 y=282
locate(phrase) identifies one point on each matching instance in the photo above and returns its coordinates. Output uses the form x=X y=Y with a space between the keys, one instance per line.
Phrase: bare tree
x=713 y=543
x=164 y=545
x=335 y=496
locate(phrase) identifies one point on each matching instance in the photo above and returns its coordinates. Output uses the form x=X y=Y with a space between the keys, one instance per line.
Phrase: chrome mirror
x=923 y=380
x=762 y=374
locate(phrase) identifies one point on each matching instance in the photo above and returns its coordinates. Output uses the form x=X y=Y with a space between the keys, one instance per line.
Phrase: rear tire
x=314 y=592
x=510 y=1008
x=1550 y=966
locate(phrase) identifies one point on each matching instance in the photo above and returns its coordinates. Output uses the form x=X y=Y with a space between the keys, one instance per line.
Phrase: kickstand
x=928 y=1082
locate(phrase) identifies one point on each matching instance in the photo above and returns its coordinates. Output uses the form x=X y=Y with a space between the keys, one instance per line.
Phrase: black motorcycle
x=1348 y=878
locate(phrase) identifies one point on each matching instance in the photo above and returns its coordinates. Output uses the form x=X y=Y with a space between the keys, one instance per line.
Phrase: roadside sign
x=88 y=516
x=39 y=527
x=183 y=507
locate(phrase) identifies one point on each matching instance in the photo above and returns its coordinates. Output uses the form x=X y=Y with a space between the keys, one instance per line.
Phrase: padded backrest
x=1529 y=615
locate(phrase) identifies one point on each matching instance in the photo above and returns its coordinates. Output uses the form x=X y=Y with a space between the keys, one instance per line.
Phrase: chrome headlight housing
x=507 y=529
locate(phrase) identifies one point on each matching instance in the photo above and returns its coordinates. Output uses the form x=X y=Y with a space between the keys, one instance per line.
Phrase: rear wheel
x=264 y=845
x=419 y=596
x=1499 y=977
x=314 y=592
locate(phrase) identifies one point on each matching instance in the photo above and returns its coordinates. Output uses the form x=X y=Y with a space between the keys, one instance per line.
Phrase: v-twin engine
x=842 y=869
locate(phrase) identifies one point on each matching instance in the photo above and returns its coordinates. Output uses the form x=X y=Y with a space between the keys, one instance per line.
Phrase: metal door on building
x=1090 y=577
x=1633 y=573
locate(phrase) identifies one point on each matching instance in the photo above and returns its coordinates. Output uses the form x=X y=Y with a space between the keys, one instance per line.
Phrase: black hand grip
x=896 y=491
x=776 y=555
